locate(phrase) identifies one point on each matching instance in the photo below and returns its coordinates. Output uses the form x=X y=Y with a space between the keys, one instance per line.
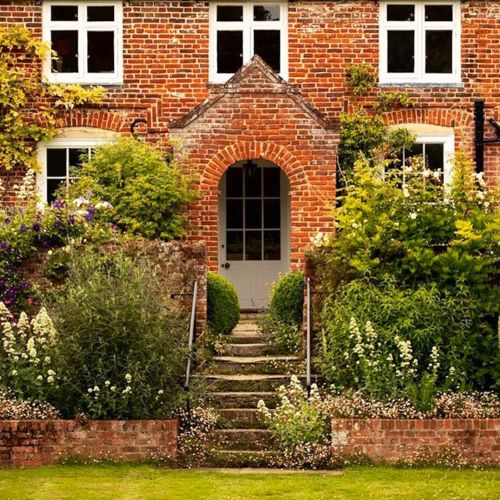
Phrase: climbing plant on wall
x=21 y=126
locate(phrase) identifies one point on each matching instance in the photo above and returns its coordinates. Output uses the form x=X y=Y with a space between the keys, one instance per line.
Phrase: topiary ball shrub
x=223 y=306
x=287 y=301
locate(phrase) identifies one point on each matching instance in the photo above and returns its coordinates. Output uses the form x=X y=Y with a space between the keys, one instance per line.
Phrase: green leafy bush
x=432 y=319
x=283 y=321
x=300 y=425
x=287 y=301
x=148 y=195
x=361 y=78
x=122 y=344
x=223 y=307
x=417 y=262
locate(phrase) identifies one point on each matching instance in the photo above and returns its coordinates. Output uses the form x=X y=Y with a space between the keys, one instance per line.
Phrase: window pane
x=272 y=245
x=65 y=43
x=253 y=214
x=400 y=51
x=101 y=51
x=253 y=181
x=266 y=13
x=95 y=14
x=415 y=150
x=434 y=156
x=271 y=181
x=253 y=245
x=267 y=46
x=64 y=13
x=272 y=214
x=439 y=51
x=77 y=156
x=229 y=13
x=400 y=12
x=56 y=162
x=234 y=182
x=234 y=214
x=234 y=243
x=439 y=13
x=229 y=51
x=52 y=186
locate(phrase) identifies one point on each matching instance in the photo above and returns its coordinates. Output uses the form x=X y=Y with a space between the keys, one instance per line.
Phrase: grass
x=145 y=482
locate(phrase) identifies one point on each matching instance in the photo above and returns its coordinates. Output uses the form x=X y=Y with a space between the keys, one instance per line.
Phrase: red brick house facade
x=174 y=64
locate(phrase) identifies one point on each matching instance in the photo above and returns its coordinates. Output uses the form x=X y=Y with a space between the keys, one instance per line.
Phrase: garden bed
x=470 y=441
x=31 y=443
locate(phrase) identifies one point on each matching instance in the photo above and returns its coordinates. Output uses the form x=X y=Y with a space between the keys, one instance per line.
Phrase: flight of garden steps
x=246 y=372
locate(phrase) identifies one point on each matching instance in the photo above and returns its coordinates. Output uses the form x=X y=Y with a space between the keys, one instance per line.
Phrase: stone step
x=243 y=458
x=256 y=365
x=232 y=400
x=247 y=338
x=250 y=349
x=243 y=439
x=242 y=418
x=250 y=383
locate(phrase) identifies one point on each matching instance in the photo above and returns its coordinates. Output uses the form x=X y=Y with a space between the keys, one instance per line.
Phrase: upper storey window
x=240 y=30
x=87 y=40
x=420 y=42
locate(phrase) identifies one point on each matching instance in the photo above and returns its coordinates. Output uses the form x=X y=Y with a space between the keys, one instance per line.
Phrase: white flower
x=107 y=383
x=112 y=388
x=39 y=378
x=413 y=215
x=96 y=388
x=160 y=391
x=50 y=379
x=13 y=373
x=406 y=193
x=47 y=359
x=80 y=201
x=103 y=204
x=51 y=372
x=89 y=390
x=32 y=353
x=128 y=378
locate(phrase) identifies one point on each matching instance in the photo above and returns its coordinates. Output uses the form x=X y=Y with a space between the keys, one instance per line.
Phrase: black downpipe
x=479 y=129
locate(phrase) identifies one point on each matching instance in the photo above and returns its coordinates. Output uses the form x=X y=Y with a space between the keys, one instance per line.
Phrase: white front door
x=253 y=229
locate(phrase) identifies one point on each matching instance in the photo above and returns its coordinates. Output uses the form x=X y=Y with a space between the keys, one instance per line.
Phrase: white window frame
x=82 y=26
x=419 y=26
x=61 y=142
x=247 y=26
x=448 y=142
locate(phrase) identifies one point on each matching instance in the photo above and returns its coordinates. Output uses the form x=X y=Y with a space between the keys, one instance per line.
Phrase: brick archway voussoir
x=240 y=151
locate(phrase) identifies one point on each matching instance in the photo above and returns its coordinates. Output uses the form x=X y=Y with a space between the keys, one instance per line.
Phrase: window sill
x=422 y=85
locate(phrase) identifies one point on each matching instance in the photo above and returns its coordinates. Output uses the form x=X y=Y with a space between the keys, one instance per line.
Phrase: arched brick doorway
x=254 y=229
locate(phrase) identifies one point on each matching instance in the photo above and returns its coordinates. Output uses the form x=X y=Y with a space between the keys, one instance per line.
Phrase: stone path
x=247 y=371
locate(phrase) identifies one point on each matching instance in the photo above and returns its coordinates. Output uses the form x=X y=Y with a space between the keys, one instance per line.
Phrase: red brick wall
x=383 y=440
x=166 y=73
x=30 y=443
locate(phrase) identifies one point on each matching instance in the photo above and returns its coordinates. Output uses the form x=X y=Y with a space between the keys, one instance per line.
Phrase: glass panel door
x=253 y=213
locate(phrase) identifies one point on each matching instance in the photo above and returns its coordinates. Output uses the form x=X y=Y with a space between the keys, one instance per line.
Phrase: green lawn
x=137 y=482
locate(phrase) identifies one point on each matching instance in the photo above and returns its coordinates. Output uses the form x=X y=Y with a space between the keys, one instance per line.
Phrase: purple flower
x=90 y=213
x=58 y=204
x=36 y=226
x=23 y=229
x=71 y=219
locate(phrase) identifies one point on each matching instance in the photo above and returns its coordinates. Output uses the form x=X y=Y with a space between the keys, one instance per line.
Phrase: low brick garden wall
x=389 y=441
x=31 y=443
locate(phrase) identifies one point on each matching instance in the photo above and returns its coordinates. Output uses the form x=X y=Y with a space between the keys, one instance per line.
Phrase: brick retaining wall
x=30 y=443
x=384 y=440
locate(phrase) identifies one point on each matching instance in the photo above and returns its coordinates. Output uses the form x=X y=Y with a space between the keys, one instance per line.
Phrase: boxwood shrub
x=223 y=306
x=287 y=301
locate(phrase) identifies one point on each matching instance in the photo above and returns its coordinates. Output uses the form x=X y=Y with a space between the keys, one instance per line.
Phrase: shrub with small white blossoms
x=14 y=409
x=300 y=426
x=26 y=354
x=385 y=368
